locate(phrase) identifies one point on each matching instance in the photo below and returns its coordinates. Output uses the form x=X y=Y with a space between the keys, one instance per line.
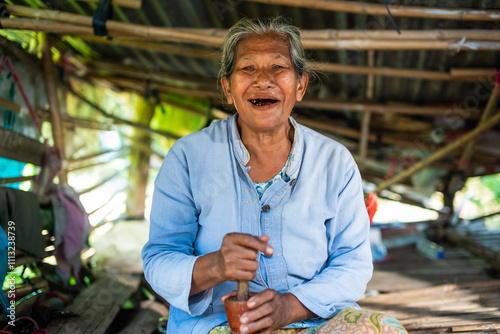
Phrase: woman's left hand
x=269 y=310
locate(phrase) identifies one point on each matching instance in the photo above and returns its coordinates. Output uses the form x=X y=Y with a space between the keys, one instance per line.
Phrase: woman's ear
x=302 y=86
x=227 y=89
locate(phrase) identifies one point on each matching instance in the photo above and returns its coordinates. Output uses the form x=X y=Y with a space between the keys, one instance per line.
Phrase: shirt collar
x=241 y=154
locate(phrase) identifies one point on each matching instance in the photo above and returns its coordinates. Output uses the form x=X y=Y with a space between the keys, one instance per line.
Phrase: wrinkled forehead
x=253 y=43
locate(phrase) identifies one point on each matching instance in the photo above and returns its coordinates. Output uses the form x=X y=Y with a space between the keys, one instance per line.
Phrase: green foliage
x=492 y=182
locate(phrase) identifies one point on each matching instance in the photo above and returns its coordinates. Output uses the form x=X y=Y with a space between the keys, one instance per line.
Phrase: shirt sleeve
x=349 y=267
x=168 y=256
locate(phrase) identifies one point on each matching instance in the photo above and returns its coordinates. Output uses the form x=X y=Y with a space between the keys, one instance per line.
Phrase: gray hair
x=250 y=27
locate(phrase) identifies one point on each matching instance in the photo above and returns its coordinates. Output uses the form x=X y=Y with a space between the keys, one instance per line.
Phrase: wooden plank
x=96 y=306
x=16 y=146
x=492 y=256
x=146 y=320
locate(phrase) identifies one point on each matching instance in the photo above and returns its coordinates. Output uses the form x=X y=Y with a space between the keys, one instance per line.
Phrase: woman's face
x=264 y=85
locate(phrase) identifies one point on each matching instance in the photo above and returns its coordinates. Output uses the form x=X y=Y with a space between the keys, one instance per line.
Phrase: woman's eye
x=248 y=68
x=277 y=66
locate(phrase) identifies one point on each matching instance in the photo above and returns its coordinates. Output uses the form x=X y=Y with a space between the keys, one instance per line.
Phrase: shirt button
x=266 y=208
x=292 y=183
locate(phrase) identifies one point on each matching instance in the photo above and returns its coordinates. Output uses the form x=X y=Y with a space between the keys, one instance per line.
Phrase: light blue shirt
x=317 y=223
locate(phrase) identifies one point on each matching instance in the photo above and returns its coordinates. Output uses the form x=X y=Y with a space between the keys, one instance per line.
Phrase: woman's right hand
x=237 y=258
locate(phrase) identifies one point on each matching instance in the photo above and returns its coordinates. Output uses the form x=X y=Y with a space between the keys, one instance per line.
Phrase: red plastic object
x=371 y=206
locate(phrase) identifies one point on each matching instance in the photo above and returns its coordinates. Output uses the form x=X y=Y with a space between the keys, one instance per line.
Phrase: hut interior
x=93 y=93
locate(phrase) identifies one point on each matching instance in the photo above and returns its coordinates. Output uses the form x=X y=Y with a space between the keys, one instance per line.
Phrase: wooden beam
x=366 y=8
x=16 y=146
x=441 y=152
x=135 y=4
x=467 y=153
x=55 y=113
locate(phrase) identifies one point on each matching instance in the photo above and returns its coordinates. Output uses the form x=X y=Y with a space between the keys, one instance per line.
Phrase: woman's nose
x=264 y=79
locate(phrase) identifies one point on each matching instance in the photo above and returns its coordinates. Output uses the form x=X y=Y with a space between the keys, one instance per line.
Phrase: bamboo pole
x=114 y=28
x=383 y=71
x=139 y=160
x=383 y=34
x=55 y=113
x=365 y=123
x=90 y=156
x=355 y=134
x=490 y=106
x=84 y=191
x=406 y=35
x=155 y=46
x=384 y=108
x=121 y=120
x=472 y=75
x=98 y=67
x=120 y=29
x=367 y=8
x=69 y=121
x=366 y=44
x=9 y=105
x=10 y=180
x=139 y=86
x=441 y=152
x=135 y=4
x=213 y=37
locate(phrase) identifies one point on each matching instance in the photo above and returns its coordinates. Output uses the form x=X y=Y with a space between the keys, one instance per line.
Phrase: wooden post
x=139 y=160
x=51 y=89
x=464 y=160
x=365 y=125
x=441 y=152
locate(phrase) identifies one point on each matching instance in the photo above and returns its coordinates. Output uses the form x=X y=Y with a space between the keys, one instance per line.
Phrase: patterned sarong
x=347 y=321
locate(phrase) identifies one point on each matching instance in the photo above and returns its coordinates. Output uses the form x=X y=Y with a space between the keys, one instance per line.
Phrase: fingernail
x=269 y=250
x=243 y=328
x=244 y=320
x=251 y=304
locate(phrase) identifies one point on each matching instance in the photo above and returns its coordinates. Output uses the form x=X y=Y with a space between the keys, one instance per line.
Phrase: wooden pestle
x=243 y=290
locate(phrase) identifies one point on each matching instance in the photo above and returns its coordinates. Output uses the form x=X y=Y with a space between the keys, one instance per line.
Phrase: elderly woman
x=259 y=197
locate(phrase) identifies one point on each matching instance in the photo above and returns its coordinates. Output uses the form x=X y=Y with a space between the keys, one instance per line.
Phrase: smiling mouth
x=262 y=102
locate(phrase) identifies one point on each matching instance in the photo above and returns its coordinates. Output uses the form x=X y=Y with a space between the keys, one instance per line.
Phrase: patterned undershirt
x=261 y=187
